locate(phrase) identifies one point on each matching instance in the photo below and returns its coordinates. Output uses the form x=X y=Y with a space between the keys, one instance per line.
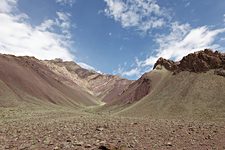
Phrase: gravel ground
x=52 y=130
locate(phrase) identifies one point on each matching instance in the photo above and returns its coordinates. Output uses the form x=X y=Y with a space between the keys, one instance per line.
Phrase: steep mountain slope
x=104 y=87
x=192 y=88
x=28 y=80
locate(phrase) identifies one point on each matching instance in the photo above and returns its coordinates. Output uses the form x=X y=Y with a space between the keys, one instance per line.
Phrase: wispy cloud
x=64 y=22
x=132 y=72
x=18 y=37
x=136 y=70
x=88 y=67
x=7 y=6
x=141 y=14
x=187 y=4
x=183 y=40
x=224 y=18
x=66 y=2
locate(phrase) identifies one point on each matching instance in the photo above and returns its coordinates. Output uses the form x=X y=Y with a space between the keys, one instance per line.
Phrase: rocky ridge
x=201 y=61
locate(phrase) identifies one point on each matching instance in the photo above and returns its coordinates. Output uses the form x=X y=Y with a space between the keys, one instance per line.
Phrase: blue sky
x=123 y=37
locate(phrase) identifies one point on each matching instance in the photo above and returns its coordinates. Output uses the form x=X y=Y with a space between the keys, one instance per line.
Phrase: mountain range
x=190 y=88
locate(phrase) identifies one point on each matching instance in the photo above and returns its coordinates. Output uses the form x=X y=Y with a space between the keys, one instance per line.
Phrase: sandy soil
x=68 y=129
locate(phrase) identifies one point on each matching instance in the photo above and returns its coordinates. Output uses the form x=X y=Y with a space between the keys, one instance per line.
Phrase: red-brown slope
x=32 y=81
x=134 y=91
x=139 y=88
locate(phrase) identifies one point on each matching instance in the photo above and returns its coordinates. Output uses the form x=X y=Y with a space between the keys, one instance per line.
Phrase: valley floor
x=64 y=128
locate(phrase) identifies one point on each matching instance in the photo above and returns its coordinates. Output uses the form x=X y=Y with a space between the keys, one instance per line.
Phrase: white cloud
x=136 y=71
x=63 y=16
x=18 y=37
x=150 y=61
x=88 y=67
x=7 y=6
x=46 y=25
x=132 y=72
x=64 y=22
x=183 y=40
x=66 y=2
x=141 y=14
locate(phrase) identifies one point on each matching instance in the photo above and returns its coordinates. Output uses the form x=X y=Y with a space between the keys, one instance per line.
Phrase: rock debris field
x=62 y=129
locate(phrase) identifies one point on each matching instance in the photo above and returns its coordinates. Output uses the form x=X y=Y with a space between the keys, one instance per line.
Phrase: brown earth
x=67 y=129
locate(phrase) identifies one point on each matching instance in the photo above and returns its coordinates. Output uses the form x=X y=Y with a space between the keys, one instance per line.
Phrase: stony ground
x=66 y=129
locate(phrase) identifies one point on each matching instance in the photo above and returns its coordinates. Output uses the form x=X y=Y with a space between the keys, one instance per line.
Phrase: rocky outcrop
x=220 y=72
x=168 y=64
x=197 y=62
x=202 y=61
